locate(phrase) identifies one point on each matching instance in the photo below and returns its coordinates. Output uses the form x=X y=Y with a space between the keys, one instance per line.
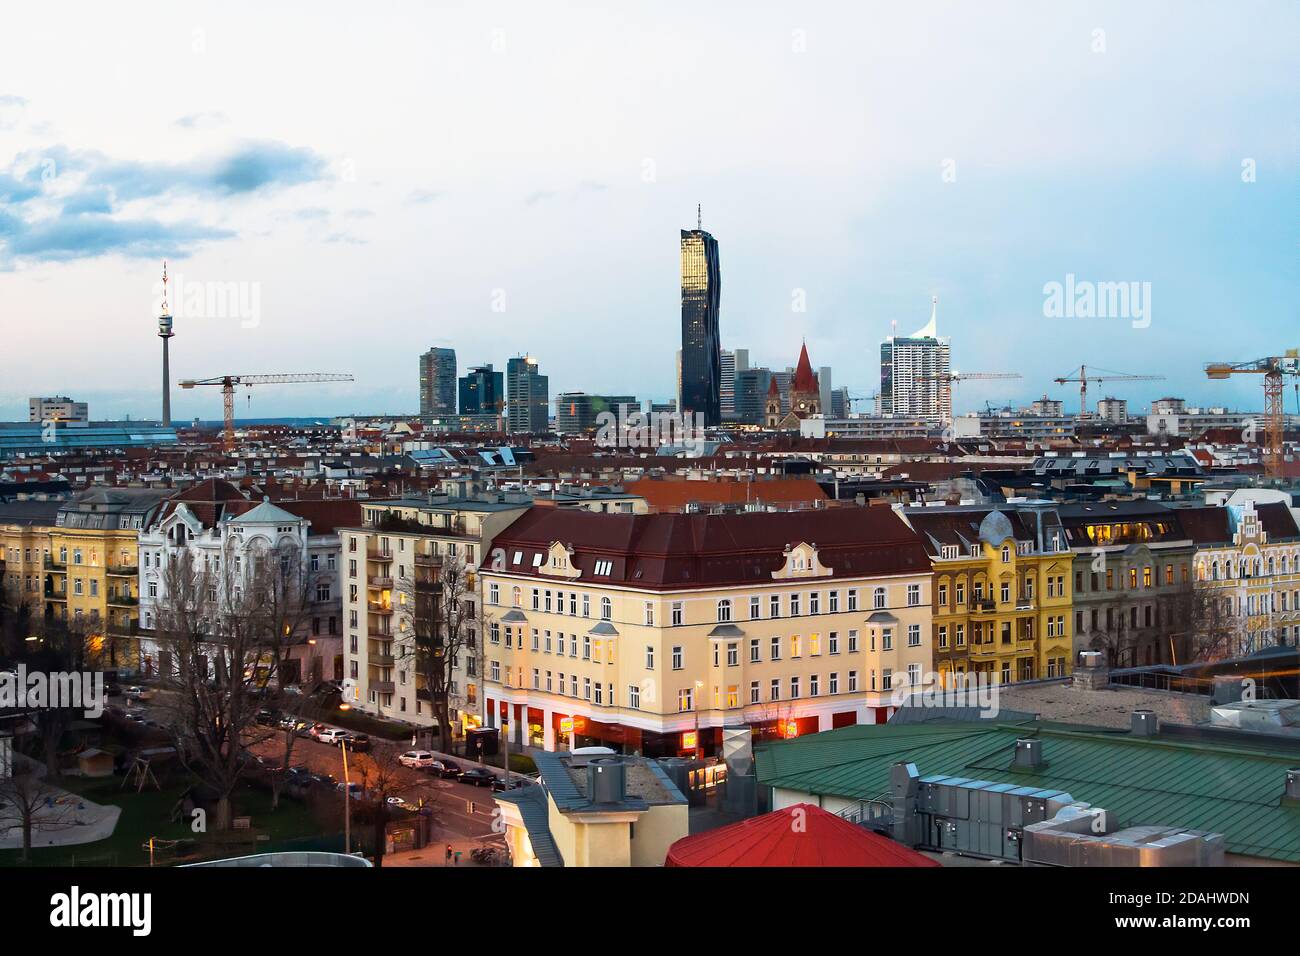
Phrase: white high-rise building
x=916 y=373
x=732 y=362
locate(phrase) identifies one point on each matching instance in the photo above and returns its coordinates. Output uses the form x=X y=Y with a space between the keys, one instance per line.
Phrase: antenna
x=164 y=299
x=699 y=218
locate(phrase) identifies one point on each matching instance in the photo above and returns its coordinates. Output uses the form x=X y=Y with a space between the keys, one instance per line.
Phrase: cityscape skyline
x=858 y=224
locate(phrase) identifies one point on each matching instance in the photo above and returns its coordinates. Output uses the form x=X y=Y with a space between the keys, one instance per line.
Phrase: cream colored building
x=651 y=633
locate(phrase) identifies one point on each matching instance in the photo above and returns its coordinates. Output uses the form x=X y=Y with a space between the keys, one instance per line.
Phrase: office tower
x=824 y=383
x=731 y=363
x=527 y=396
x=915 y=374
x=482 y=391
x=701 y=363
x=437 y=383
x=752 y=386
x=578 y=412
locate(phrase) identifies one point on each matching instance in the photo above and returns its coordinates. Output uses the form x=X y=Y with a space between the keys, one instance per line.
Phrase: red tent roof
x=801 y=835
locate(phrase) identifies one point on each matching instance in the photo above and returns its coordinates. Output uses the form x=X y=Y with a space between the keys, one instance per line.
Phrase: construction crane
x=228 y=383
x=948 y=380
x=1274 y=368
x=1080 y=375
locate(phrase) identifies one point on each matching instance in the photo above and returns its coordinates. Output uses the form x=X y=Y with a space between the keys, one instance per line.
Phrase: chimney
x=1144 y=723
x=1029 y=754
x=606 y=780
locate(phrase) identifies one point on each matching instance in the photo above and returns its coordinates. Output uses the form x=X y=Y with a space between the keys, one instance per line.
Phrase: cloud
x=85 y=235
x=419 y=196
x=88 y=189
x=10 y=108
x=209 y=119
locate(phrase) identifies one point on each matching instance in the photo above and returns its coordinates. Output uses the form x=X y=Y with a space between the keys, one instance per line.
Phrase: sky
x=337 y=187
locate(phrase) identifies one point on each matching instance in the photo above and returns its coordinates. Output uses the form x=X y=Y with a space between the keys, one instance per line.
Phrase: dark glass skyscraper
x=437 y=383
x=701 y=369
x=482 y=392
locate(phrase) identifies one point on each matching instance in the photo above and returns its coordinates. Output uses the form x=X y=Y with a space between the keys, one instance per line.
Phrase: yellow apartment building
x=1002 y=590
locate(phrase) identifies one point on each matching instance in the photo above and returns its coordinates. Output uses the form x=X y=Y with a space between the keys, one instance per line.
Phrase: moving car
x=357 y=742
x=420 y=759
x=445 y=768
x=331 y=735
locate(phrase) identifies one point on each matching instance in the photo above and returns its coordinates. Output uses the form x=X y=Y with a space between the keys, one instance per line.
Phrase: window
x=774 y=606
x=606 y=609
x=834 y=603
x=586 y=647
x=754 y=697
x=914 y=635
x=878 y=598
x=913 y=595
x=774 y=689
x=913 y=674
x=684 y=700
x=853 y=682
x=678 y=657
x=886 y=638
x=794 y=688
x=833 y=642
x=813 y=687
x=754 y=650
x=678 y=614
x=724 y=610
x=853 y=599
x=649 y=614
x=733 y=655
x=853 y=642
x=794 y=605
x=649 y=657
x=604 y=567
x=776 y=649
x=943 y=636
x=755 y=608
x=634 y=696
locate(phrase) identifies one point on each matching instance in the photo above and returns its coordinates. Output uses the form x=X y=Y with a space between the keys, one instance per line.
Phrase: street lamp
x=347 y=800
x=699 y=750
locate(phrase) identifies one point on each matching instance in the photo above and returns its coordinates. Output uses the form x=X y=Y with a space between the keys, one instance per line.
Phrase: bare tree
x=441 y=592
x=60 y=647
x=225 y=635
x=382 y=777
x=27 y=803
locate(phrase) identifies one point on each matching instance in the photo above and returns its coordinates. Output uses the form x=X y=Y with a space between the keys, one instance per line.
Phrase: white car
x=420 y=759
x=331 y=735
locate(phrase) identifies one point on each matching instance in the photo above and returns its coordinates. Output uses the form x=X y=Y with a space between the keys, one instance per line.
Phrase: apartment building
x=1002 y=590
x=91 y=573
x=226 y=533
x=651 y=633
x=1132 y=580
x=24 y=546
x=393 y=562
x=1247 y=562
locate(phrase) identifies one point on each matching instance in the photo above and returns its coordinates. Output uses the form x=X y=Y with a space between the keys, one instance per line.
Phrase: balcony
x=384 y=610
x=123 y=600
x=122 y=571
x=382 y=660
x=427 y=560
x=383 y=687
x=52 y=565
x=380 y=556
x=983 y=606
x=377 y=581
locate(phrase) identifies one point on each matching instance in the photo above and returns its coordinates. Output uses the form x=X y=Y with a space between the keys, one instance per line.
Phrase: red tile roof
x=802 y=835
x=677 y=551
x=671 y=494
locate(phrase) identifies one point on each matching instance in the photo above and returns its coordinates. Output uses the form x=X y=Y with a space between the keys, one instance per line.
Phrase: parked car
x=420 y=759
x=478 y=776
x=315 y=730
x=288 y=722
x=353 y=790
x=265 y=718
x=358 y=742
x=330 y=735
x=445 y=768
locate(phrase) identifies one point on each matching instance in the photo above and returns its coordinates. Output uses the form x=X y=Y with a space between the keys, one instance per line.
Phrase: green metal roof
x=1202 y=784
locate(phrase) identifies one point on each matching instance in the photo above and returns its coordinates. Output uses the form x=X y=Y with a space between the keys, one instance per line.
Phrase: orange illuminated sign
x=690 y=740
x=792 y=729
x=566 y=725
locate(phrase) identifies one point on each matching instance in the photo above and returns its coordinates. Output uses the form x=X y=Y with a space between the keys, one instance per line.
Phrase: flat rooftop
x=1113 y=706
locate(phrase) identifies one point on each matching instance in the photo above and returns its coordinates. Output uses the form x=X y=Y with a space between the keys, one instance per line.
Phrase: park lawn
x=147 y=814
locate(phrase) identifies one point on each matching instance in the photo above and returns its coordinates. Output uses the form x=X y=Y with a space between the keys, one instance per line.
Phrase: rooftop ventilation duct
x=1029 y=754
x=1293 y=784
x=1144 y=723
x=606 y=780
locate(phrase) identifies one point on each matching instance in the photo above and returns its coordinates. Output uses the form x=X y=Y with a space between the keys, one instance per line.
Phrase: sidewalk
x=435 y=854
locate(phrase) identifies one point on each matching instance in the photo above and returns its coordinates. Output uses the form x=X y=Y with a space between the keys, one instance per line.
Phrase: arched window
x=606 y=609
x=724 y=610
x=878 y=598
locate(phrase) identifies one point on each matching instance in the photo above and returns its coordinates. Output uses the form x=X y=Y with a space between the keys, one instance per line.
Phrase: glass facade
x=437 y=383
x=701 y=364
